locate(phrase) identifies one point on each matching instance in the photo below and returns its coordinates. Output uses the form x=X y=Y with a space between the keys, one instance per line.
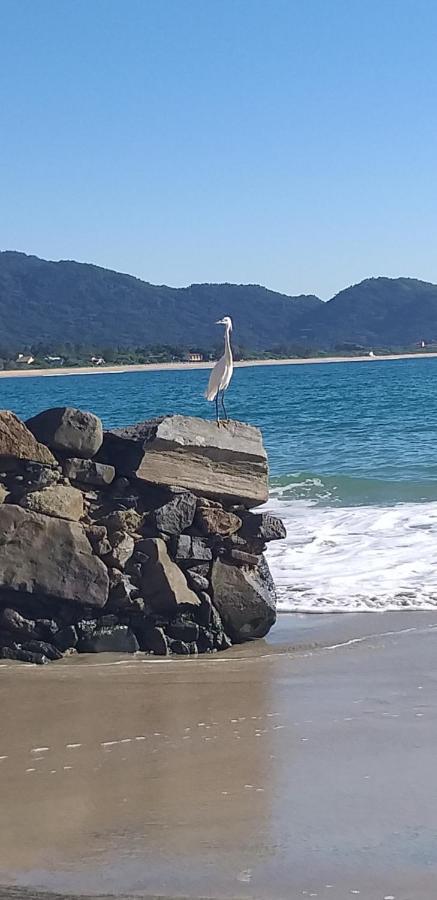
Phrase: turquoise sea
x=353 y=462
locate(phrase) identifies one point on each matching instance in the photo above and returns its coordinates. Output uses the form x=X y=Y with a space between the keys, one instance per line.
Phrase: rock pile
x=140 y=538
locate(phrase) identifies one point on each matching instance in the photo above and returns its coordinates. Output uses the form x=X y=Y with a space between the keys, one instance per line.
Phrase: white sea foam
x=362 y=558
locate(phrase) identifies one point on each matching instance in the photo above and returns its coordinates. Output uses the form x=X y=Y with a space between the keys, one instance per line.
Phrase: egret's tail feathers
x=210 y=393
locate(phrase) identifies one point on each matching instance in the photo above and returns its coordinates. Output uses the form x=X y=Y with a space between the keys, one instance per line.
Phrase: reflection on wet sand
x=270 y=771
x=110 y=771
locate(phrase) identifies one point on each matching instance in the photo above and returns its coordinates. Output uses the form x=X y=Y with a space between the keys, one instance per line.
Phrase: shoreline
x=180 y=366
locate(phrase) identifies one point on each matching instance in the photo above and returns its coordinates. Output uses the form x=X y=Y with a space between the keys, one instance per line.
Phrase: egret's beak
x=220 y=322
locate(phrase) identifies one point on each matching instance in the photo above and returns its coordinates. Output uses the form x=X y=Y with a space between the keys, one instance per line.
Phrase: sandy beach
x=299 y=766
x=179 y=366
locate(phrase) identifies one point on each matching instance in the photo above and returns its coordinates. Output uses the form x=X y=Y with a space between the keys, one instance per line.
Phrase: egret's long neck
x=228 y=349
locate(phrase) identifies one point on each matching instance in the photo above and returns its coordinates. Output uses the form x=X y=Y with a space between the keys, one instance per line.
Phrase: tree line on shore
x=44 y=356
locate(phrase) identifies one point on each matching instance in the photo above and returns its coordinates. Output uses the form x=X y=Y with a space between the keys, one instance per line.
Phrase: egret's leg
x=224 y=407
x=217 y=415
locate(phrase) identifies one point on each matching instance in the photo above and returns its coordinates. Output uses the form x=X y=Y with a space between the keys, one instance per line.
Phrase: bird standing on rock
x=222 y=372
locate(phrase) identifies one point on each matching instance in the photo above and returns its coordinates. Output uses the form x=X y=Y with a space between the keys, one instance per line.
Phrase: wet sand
x=299 y=766
x=177 y=366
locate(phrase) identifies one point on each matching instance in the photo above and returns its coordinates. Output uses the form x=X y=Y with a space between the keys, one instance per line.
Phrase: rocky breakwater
x=137 y=539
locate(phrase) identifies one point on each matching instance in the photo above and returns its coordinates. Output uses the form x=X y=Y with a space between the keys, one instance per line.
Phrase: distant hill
x=56 y=302
x=70 y=301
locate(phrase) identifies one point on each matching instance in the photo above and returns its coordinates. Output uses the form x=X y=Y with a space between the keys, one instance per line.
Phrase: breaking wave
x=354 y=544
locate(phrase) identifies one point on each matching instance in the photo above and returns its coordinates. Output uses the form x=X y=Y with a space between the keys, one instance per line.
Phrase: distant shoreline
x=178 y=366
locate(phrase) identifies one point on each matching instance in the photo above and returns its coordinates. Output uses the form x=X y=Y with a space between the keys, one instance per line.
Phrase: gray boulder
x=69 y=431
x=18 y=442
x=189 y=551
x=163 y=582
x=245 y=599
x=176 y=515
x=227 y=463
x=60 y=500
x=51 y=557
x=262 y=526
x=86 y=471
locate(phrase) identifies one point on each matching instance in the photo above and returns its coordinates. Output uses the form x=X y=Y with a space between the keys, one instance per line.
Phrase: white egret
x=222 y=371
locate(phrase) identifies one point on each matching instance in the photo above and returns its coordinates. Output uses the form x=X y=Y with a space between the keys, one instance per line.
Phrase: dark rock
x=117 y=639
x=205 y=641
x=176 y=515
x=66 y=638
x=120 y=487
x=86 y=471
x=179 y=647
x=21 y=655
x=189 y=551
x=14 y=623
x=18 y=442
x=219 y=463
x=68 y=431
x=51 y=557
x=215 y=520
x=25 y=629
x=183 y=629
x=153 y=640
x=43 y=648
x=263 y=526
x=245 y=599
x=197 y=582
x=46 y=628
x=163 y=582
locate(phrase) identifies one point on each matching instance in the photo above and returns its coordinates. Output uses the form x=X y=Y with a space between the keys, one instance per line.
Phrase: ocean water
x=353 y=465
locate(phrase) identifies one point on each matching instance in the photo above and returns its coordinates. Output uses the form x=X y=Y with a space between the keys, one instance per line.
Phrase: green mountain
x=380 y=312
x=54 y=302
x=58 y=302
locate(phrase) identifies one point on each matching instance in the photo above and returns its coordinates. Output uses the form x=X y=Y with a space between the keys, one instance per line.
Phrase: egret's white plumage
x=222 y=372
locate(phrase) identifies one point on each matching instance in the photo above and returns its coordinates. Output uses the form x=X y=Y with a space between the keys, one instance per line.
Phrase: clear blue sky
x=287 y=142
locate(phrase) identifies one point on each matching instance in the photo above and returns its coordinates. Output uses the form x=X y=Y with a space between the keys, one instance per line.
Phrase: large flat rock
x=50 y=557
x=227 y=463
